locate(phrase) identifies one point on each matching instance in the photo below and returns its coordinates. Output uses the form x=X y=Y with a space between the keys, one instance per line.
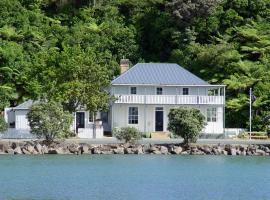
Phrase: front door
x=80 y=116
x=159 y=119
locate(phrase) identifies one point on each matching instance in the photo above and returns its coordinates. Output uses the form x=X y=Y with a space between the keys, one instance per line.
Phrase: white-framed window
x=185 y=91
x=211 y=114
x=133 y=115
x=159 y=90
x=91 y=117
x=133 y=90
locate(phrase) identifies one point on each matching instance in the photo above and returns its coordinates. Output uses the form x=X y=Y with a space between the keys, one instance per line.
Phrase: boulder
x=73 y=148
x=13 y=145
x=163 y=150
x=44 y=149
x=80 y=149
x=232 y=152
x=267 y=150
x=224 y=152
x=176 y=150
x=138 y=150
x=153 y=148
x=106 y=152
x=60 y=150
x=119 y=150
x=30 y=148
x=157 y=152
x=10 y=151
x=184 y=153
x=18 y=150
x=128 y=151
x=260 y=152
x=38 y=148
x=25 y=151
x=146 y=148
x=207 y=150
x=52 y=151
x=85 y=149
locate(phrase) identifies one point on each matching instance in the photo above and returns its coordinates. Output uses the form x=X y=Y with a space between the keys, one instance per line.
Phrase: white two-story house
x=146 y=92
x=144 y=95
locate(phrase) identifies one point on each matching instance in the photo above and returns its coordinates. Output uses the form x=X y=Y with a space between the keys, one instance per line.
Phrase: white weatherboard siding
x=167 y=90
x=146 y=121
x=21 y=121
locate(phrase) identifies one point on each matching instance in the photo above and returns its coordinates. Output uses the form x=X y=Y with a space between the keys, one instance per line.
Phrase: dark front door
x=80 y=116
x=159 y=119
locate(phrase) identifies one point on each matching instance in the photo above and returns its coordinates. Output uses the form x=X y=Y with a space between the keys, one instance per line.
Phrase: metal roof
x=158 y=74
x=25 y=105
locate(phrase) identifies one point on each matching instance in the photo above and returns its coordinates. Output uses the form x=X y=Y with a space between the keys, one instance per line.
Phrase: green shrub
x=3 y=124
x=146 y=135
x=186 y=123
x=127 y=134
x=49 y=120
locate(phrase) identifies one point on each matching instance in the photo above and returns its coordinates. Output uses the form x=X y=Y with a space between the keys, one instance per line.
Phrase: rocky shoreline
x=63 y=147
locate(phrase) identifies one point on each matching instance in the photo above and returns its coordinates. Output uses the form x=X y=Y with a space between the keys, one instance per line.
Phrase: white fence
x=170 y=99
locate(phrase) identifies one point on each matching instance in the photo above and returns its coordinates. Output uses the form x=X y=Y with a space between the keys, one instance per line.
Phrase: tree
x=186 y=123
x=127 y=134
x=3 y=124
x=48 y=120
x=186 y=11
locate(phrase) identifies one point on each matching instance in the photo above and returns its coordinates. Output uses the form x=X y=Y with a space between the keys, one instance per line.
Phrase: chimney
x=124 y=65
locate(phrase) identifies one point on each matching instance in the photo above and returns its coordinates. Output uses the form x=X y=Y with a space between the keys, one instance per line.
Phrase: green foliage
x=186 y=123
x=127 y=134
x=68 y=50
x=3 y=124
x=48 y=120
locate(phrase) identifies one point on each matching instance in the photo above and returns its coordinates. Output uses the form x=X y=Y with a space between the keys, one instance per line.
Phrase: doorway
x=159 y=119
x=80 y=120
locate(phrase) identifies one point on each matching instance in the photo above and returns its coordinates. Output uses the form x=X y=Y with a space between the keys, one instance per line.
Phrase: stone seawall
x=63 y=147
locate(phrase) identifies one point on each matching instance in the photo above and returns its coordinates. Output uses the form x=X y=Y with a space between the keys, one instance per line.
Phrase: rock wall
x=63 y=147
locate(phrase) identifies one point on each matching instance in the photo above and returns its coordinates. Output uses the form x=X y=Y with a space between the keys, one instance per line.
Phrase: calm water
x=134 y=177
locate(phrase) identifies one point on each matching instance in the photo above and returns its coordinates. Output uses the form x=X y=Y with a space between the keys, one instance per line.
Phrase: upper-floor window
x=91 y=117
x=211 y=114
x=133 y=90
x=159 y=91
x=133 y=115
x=185 y=91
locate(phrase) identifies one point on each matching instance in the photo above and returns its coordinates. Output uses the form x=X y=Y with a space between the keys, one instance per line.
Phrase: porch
x=170 y=99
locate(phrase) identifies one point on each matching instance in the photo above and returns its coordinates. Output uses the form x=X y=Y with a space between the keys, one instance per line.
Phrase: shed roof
x=158 y=74
x=25 y=105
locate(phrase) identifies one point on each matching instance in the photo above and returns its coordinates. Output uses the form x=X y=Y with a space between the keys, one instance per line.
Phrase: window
x=185 y=91
x=211 y=114
x=133 y=115
x=91 y=117
x=133 y=90
x=159 y=91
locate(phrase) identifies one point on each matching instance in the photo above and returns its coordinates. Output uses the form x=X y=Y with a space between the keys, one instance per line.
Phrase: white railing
x=138 y=99
x=161 y=99
x=169 y=99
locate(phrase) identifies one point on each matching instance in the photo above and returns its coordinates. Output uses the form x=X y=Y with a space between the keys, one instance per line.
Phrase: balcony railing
x=170 y=99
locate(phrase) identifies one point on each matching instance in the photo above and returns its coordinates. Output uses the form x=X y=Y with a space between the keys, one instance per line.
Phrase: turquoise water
x=132 y=177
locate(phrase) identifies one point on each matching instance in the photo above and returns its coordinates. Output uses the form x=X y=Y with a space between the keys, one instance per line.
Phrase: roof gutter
x=169 y=85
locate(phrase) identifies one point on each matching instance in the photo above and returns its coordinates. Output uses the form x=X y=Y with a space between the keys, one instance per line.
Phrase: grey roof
x=158 y=74
x=25 y=105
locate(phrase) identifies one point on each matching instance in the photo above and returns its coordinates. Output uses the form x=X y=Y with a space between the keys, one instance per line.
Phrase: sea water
x=133 y=177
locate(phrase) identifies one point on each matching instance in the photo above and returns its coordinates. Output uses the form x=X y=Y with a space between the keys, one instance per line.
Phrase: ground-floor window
x=133 y=115
x=91 y=117
x=211 y=114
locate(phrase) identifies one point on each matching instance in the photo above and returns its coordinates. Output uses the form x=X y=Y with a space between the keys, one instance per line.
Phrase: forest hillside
x=69 y=50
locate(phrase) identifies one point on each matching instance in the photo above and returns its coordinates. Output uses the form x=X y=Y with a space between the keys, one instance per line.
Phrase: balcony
x=170 y=99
